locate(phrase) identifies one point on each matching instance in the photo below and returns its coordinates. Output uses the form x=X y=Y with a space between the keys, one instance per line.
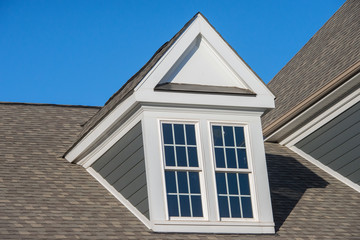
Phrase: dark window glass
x=192 y=155
x=173 y=205
x=229 y=136
x=167 y=132
x=185 y=206
x=194 y=182
x=170 y=182
x=239 y=134
x=169 y=156
x=179 y=133
x=232 y=183
x=223 y=206
x=221 y=183
x=182 y=182
x=235 y=207
x=190 y=134
x=231 y=158
x=219 y=157
x=196 y=206
x=244 y=184
x=181 y=157
x=241 y=154
x=246 y=207
x=217 y=133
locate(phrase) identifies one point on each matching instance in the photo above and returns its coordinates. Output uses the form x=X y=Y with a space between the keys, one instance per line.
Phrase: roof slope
x=331 y=51
x=42 y=196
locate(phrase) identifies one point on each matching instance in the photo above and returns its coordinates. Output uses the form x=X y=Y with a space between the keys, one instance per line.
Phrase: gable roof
x=45 y=197
x=327 y=60
x=128 y=88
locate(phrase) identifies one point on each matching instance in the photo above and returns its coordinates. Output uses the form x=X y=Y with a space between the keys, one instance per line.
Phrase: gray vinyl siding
x=337 y=144
x=123 y=167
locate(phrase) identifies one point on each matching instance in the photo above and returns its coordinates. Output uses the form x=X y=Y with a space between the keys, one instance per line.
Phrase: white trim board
x=328 y=170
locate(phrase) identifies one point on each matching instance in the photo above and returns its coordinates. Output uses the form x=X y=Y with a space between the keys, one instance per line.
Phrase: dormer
x=180 y=144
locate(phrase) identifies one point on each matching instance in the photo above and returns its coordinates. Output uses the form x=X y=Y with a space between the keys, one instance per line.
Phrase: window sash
x=227 y=205
x=184 y=200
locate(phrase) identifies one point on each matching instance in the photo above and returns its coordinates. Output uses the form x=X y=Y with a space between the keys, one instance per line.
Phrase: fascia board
x=101 y=128
x=286 y=132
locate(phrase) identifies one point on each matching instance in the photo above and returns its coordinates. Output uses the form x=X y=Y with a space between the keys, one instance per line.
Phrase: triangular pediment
x=200 y=64
x=200 y=61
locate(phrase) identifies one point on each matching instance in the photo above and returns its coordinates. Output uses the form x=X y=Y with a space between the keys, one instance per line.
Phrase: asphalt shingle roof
x=331 y=51
x=42 y=196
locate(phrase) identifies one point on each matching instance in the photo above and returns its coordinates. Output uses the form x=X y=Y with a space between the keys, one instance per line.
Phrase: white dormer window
x=180 y=145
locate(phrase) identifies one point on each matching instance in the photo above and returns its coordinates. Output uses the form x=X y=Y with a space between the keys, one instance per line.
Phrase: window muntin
x=182 y=170
x=231 y=172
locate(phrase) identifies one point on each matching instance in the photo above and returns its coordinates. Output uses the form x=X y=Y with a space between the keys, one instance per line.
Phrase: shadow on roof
x=289 y=180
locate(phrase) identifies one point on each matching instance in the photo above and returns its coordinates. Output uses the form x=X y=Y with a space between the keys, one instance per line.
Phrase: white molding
x=121 y=198
x=100 y=129
x=322 y=119
x=214 y=227
x=328 y=170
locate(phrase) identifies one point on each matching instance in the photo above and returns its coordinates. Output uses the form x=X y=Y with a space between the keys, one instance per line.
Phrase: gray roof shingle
x=42 y=196
x=331 y=51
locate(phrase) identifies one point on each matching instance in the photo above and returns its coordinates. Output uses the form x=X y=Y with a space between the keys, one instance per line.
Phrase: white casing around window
x=259 y=186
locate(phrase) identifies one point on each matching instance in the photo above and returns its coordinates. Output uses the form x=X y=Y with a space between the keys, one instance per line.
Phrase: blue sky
x=81 y=52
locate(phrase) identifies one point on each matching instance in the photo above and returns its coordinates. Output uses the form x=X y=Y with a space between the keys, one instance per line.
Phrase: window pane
x=190 y=134
x=232 y=183
x=170 y=182
x=221 y=183
x=217 y=134
x=185 y=206
x=167 y=132
x=173 y=205
x=235 y=207
x=241 y=154
x=169 y=156
x=223 y=206
x=194 y=182
x=181 y=157
x=219 y=157
x=182 y=182
x=179 y=133
x=192 y=155
x=246 y=207
x=196 y=206
x=229 y=136
x=230 y=158
x=239 y=134
x=244 y=184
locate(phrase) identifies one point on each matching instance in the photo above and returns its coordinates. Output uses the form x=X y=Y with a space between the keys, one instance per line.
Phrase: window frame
x=199 y=169
x=250 y=170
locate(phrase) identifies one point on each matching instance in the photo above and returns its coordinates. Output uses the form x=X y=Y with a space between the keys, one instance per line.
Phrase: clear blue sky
x=81 y=52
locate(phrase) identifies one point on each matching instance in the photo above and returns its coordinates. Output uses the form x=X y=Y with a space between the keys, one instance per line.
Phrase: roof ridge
x=48 y=104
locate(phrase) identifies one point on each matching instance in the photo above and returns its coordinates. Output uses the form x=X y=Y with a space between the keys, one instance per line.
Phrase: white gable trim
x=201 y=28
x=80 y=149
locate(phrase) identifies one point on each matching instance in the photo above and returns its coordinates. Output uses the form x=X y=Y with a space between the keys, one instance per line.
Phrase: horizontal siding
x=123 y=167
x=337 y=144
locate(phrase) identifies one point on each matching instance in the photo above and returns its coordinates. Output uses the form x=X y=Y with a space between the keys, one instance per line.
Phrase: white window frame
x=199 y=169
x=249 y=170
